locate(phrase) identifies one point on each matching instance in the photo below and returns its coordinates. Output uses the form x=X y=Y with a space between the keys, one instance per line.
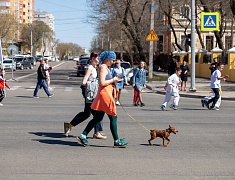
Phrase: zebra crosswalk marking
x=14 y=88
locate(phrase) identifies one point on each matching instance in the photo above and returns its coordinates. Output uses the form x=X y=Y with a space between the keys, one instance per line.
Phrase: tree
x=41 y=34
x=127 y=16
x=64 y=50
x=7 y=27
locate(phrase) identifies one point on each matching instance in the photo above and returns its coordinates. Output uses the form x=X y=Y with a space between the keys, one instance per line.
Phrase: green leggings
x=99 y=115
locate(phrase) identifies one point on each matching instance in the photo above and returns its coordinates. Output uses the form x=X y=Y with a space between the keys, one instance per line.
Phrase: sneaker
x=1 y=104
x=142 y=104
x=136 y=104
x=207 y=105
x=202 y=102
x=50 y=89
x=82 y=140
x=66 y=129
x=214 y=108
x=118 y=103
x=99 y=136
x=35 y=97
x=51 y=95
x=163 y=108
x=173 y=107
x=120 y=143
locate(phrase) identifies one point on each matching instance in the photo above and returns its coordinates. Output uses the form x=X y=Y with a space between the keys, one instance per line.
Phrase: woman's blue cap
x=110 y=55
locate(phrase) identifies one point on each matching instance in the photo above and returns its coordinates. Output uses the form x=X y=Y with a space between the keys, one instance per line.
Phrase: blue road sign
x=209 y=21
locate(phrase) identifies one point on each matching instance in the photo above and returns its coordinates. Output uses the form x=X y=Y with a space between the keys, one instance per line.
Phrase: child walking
x=172 y=90
x=3 y=84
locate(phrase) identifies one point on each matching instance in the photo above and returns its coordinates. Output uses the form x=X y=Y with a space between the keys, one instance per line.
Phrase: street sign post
x=12 y=49
x=209 y=21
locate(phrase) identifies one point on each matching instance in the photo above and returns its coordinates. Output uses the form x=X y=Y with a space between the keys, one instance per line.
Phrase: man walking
x=41 y=81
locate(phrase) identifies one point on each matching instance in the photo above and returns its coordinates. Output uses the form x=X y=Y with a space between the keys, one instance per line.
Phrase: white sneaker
x=1 y=104
x=66 y=129
x=118 y=103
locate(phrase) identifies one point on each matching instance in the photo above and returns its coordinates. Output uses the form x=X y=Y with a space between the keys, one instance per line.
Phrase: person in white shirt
x=47 y=68
x=172 y=90
x=216 y=87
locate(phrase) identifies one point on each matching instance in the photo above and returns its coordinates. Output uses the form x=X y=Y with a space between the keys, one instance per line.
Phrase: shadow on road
x=49 y=134
x=59 y=142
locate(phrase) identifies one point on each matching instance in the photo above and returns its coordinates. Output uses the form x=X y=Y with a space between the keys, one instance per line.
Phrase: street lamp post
x=193 y=19
x=151 y=43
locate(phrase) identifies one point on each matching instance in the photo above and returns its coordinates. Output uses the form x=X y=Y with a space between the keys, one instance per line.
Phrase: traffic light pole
x=193 y=18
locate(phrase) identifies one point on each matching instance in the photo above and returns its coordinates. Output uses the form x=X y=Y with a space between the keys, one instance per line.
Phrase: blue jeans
x=41 y=83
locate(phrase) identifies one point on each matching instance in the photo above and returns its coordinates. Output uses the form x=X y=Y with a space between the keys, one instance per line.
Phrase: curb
x=195 y=96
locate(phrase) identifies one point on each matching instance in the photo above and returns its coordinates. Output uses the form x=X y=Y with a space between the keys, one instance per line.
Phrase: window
x=160 y=44
x=29 y=4
x=16 y=4
x=184 y=12
x=4 y=11
x=16 y=12
x=228 y=42
x=209 y=43
x=183 y=41
x=5 y=4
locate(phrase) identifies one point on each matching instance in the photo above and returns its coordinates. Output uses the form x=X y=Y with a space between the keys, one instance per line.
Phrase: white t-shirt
x=215 y=82
x=93 y=74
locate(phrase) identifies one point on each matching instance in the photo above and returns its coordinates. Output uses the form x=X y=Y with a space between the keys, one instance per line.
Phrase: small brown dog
x=164 y=134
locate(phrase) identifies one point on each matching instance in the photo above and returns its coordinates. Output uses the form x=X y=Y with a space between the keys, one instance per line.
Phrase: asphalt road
x=33 y=145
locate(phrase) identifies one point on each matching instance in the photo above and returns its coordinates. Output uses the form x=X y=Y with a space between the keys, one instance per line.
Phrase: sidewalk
x=202 y=86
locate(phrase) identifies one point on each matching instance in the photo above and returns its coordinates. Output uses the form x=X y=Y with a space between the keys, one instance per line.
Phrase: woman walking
x=104 y=102
x=90 y=76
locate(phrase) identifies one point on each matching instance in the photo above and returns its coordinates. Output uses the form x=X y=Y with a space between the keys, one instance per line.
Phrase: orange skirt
x=104 y=101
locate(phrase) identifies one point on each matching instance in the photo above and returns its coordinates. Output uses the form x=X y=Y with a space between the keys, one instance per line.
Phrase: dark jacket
x=172 y=67
x=41 y=72
x=184 y=68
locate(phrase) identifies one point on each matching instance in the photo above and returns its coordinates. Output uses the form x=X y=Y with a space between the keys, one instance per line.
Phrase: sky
x=70 y=20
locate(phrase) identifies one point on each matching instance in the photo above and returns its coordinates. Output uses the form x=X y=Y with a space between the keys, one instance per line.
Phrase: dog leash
x=134 y=118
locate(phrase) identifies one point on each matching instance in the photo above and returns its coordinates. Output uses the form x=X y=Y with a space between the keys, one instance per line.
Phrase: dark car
x=23 y=62
x=39 y=58
x=32 y=60
x=82 y=66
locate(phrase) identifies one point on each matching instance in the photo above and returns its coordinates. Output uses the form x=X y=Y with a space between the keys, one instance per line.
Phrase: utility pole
x=31 y=42
x=193 y=18
x=151 y=43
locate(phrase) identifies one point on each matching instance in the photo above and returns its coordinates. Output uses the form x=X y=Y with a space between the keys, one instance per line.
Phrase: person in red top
x=3 y=84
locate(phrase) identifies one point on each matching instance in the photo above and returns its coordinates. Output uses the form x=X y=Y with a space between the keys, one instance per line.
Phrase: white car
x=9 y=64
x=127 y=68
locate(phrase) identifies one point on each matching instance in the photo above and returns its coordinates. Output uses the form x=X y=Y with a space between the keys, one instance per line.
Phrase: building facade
x=48 y=48
x=23 y=10
x=46 y=18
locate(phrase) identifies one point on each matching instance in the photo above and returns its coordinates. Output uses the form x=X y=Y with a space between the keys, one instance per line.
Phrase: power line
x=62 y=5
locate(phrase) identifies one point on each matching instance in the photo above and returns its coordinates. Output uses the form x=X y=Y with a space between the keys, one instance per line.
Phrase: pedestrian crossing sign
x=209 y=21
x=152 y=36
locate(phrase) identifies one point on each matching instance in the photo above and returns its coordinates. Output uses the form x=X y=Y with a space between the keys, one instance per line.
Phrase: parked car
x=9 y=64
x=23 y=62
x=33 y=60
x=82 y=66
x=127 y=68
x=39 y=58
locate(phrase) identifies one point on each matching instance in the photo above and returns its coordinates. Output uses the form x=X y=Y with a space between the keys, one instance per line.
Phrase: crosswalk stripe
x=14 y=88
x=68 y=89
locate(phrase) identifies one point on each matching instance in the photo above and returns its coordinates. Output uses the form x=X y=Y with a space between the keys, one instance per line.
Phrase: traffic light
x=189 y=39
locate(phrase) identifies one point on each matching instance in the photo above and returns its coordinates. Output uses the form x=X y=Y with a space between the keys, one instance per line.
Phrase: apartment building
x=47 y=18
x=23 y=10
x=48 y=48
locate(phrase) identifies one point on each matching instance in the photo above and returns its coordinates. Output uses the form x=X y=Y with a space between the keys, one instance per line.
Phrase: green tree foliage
x=66 y=50
x=41 y=33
